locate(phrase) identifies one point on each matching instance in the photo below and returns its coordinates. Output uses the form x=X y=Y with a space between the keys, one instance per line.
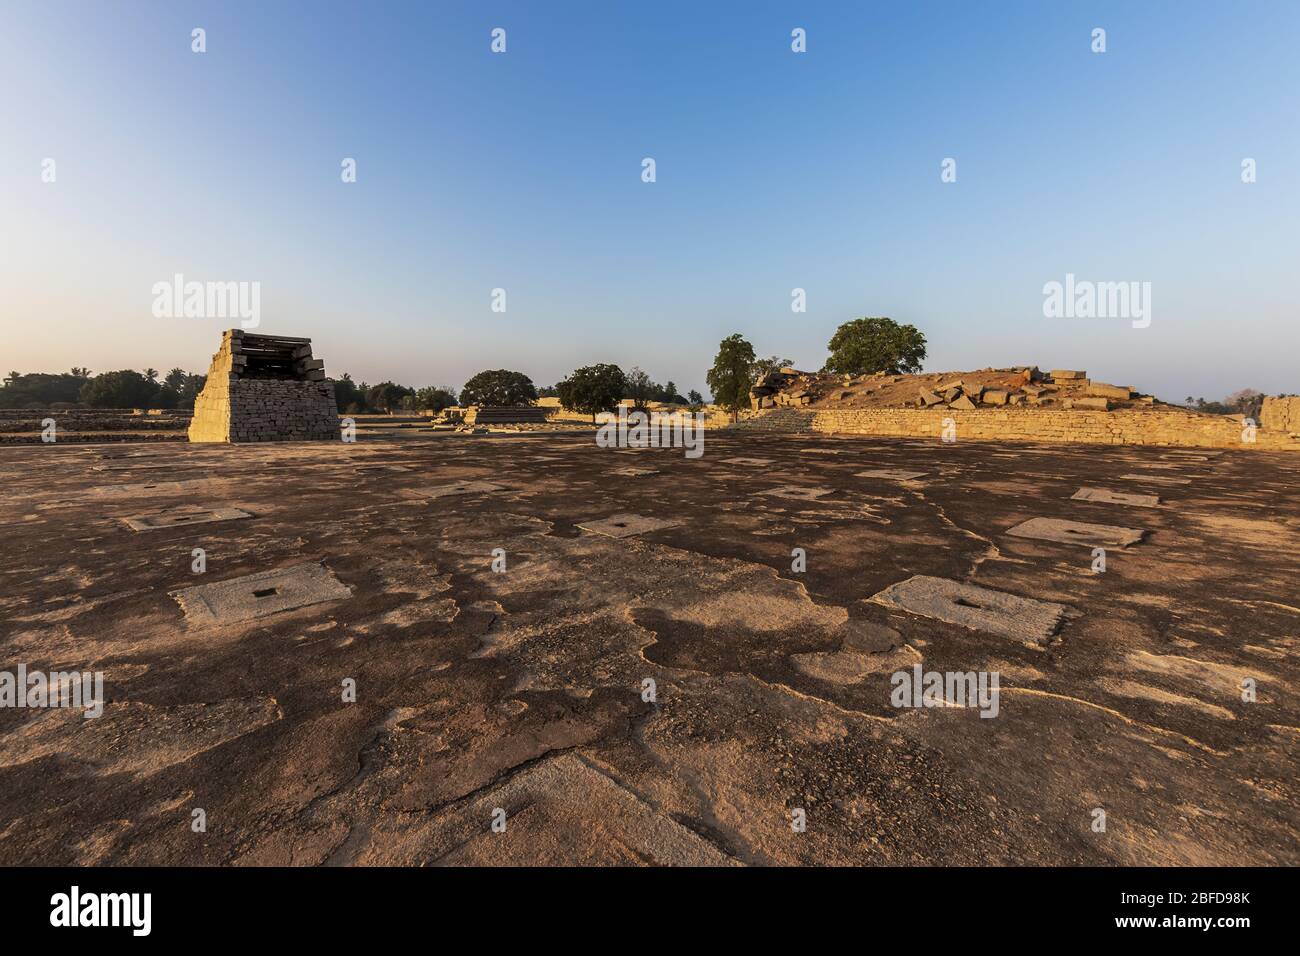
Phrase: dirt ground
x=521 y=695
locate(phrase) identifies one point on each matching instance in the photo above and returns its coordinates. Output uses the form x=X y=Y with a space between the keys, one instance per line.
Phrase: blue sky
x=775 y=170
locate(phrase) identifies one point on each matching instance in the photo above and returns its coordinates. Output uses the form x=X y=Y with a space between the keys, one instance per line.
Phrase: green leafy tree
x=875 y=344
x=40 y=389
x=693 y=397
x=593 y=389
x=731 y=377
x=765 y=365
x=435 y=398
x=347 y=397
x=121 y=389
x=499 y=387
x=388 y=396
x=640 y=389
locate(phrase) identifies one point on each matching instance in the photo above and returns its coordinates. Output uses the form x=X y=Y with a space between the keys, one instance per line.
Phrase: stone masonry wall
x=1154 y=427
x=262 y=410
x=1281 y=414
x=232 y=408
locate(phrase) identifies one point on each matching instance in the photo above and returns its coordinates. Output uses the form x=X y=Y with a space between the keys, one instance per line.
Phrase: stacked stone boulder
x=781 y=387
x=265 y=388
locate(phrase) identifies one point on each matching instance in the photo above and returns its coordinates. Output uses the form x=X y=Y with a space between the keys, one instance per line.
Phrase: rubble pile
x=964 y=391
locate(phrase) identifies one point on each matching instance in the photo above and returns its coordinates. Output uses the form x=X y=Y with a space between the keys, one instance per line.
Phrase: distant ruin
x=265 y=388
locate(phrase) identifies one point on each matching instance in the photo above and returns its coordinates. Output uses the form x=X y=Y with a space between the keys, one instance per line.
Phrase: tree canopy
x=499 y=387
x=593 y=388
x=875 y=344
x=731 y=377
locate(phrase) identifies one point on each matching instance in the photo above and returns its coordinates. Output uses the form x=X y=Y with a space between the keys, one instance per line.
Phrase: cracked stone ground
x=522 y=691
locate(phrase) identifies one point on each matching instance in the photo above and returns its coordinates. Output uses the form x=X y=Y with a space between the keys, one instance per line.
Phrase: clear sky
x=775 y=170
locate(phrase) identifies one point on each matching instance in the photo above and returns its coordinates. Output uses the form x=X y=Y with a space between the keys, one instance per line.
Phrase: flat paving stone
x=459 y=488
x=1077 y=532
x=1106 y=496
x=890 y=474
x=975 y=607
x=183 y=519
x=563 y=810
x=260 y=595
x=798 y=492
x=627 y=525
x=150 y=488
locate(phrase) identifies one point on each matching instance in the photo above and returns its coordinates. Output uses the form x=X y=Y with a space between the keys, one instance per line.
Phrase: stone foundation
x=265 y=388
x=1120 y=427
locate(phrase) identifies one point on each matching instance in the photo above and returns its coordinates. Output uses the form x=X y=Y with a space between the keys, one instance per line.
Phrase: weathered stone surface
x=257 y=391
x=1106 y=496
x=994 y=396
x=1097 y=404
x=260 y=595
x=459 y=488
x=962 y=402
x=183 y=519
x=1066 y=374
x=1102 y=390
x=981 y=609
x=891 y=474
x=797 y=492
x=1077 y=532
x=627 y=525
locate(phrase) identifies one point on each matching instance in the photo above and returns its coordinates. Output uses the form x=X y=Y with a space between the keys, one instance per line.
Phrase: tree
x=640 y=389
x=435 y=398
x=387 y=396
x=693 y=397
x=875 y=344
x=499 y=387
x=347 y=397
x=40 y=389
x=731 y=378
x=121 y=389
x=592 y=389
x=765 y=365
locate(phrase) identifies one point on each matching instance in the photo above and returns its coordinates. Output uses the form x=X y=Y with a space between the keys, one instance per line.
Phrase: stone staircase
x=778 y=420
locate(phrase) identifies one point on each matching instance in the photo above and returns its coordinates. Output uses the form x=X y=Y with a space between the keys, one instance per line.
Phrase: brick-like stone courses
x=1281 y=413
x=240 y=404
x=1119 y=427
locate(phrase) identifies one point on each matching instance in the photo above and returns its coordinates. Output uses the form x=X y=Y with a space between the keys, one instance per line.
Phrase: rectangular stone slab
x=1106 y=496
x=260 y=595
x=1159 y=479
x=975 y=607
x=183 y=519
x=626 y=525
x=891 y=474
x=150 y=488
x=459 y=488
x=1077 y=532
x=798 y=492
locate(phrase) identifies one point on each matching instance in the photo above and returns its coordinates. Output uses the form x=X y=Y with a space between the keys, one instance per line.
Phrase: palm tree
x=151 y=374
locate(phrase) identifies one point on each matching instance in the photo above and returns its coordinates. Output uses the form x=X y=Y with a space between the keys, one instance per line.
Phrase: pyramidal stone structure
x=265 y=388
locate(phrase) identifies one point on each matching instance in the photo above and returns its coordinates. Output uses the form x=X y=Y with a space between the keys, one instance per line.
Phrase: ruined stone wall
x=234 y=408
x=1015 y=424
x=282 y=411
x=1281 y=414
